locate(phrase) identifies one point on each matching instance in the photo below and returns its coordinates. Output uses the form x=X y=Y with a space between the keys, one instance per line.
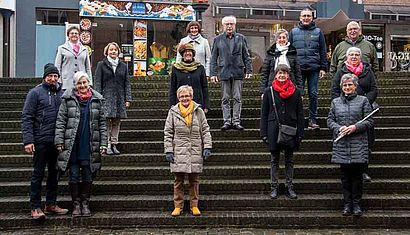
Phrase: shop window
x=399 y=55
x=56 y=17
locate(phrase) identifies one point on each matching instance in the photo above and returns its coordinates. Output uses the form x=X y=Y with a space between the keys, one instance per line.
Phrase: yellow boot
x=177 y=211
x=195 y=211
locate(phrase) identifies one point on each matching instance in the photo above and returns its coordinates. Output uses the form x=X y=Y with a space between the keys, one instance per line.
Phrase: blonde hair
x=185 y=88
x=108 y=46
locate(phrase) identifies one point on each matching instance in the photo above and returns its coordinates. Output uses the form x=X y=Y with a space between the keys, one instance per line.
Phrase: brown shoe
x=54 y=209
x=37 y=214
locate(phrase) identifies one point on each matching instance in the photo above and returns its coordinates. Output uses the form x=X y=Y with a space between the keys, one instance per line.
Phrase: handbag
x=286 y=133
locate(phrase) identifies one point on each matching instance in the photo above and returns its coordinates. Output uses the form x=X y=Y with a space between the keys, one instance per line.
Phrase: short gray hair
x=185 y=88
x=349 y=77
x=279 y=32
x=353 y=49
x=229 y=17
x=78 y=75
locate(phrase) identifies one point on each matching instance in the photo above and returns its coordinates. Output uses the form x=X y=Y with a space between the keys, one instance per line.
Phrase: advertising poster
x=126 y=9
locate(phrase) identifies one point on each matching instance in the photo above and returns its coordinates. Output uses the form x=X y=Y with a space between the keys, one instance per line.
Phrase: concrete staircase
x=135 y=188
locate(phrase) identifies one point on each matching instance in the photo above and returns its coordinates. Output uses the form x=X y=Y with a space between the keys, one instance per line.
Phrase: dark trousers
x=312 y=78
x=352 y=182
x=275 y=156
x=45 y=155
x=80 y=172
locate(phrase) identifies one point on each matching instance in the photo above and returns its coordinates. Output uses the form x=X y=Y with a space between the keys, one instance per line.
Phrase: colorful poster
x=159 y=66
x=140 y=68
x=136 y=10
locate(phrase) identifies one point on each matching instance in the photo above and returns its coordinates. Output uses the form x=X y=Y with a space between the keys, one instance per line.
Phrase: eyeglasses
x=185 y=96
x=52 y=75
x=307 y=16
x=347 y=84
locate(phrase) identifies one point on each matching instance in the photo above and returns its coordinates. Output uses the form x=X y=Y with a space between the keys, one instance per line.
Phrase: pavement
x=211 y=231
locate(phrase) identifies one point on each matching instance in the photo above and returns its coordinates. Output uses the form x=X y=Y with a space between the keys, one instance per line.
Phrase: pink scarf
x=356 y=70
x=84 y=96
x=76 y=48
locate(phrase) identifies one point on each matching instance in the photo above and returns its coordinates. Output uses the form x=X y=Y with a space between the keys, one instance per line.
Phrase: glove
x=265 y=139
x=170 y=157
x=60 y=147
x=206 y=153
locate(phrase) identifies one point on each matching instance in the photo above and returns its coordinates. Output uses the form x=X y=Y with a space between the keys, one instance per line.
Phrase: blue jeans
x=80 y=172
x=45 y=155
x=312 y=78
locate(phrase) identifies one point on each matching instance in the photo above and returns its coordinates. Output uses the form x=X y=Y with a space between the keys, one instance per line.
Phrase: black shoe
x=347 y=210
x=115 y=150
x=238 y=127
x=225 y=127
x=290 y=193
x=366 y=178
x=274 y=194
x=357 y=211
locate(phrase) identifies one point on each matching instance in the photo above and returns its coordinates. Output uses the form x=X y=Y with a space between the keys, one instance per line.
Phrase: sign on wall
x=136 y=10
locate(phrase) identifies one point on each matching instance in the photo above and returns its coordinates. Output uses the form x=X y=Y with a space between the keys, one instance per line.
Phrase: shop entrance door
x=257 y=47
x=48 y=38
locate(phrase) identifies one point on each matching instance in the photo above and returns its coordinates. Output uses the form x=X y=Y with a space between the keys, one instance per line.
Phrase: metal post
x=6 y=41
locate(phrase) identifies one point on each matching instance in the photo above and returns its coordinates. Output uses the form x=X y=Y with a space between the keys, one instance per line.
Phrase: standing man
x=230 y=63
x=354 y=38
x=310 y=45
x=38 y=128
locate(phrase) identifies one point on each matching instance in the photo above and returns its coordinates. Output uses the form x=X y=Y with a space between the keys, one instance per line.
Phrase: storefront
x=148 y=32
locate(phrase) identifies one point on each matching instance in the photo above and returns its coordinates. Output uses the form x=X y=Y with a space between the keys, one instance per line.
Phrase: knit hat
x=49 y=69
x=187 y=46
x=79 y=75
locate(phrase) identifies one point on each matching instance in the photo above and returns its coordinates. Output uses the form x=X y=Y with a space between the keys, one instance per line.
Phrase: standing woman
x=201 y=45
x=187 y=143
x=112 y=81
x=81 y=138
x=289 y=110
x=190 y=72
x=351 y=151
x=366 y=86
x=72 y=57
x=281 y=53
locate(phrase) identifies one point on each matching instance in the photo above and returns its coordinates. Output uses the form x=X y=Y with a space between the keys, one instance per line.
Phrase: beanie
x=50 y=68
x=186 y=46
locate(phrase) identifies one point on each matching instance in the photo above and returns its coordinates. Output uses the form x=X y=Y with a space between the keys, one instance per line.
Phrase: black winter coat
x=268 y=68
x=115 y=88
x=367 y=82
x=196 y=79
x=290 y=112
x=39 y=115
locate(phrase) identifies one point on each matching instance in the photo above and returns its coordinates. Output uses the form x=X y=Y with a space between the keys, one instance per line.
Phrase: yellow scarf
x=187 y=112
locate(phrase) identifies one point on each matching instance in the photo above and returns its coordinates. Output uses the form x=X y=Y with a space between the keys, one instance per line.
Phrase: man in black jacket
x=38 y=129
x=230 y=63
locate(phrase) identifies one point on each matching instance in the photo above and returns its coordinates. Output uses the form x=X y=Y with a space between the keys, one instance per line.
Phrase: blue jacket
x=227 y=64
x=40 y=114
x=310 y=44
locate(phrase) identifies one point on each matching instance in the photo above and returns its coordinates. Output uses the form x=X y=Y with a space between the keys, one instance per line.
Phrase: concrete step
x=215 y=219
x=217 y=187
x=238 y=171
x=217 y=159
x=217 y=134
x=235 y=202
x=231 y=146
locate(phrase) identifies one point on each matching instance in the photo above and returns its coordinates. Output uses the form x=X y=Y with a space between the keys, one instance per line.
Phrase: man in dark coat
x=310 y=44
x=38 y=128
x=230 y=63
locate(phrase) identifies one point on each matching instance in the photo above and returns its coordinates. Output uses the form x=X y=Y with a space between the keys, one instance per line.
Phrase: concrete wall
x=26 y=31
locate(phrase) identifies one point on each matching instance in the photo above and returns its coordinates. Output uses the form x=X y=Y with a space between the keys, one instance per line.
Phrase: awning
x=387 y=12
x=338 y=21
x=267 y=10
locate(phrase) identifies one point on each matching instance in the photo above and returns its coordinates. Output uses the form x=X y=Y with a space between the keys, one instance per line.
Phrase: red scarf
x=356 y=70
x=285 y=89
x=82 y=96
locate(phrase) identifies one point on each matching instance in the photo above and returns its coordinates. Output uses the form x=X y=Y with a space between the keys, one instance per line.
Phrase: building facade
x=149 y=42
x=7 y=37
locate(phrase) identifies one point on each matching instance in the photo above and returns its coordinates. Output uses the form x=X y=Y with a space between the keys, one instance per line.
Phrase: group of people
x=68 y=121
x=67 y=125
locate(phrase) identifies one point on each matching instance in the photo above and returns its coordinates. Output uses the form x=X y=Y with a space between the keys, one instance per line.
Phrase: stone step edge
x=220 y=167
x=101 y=182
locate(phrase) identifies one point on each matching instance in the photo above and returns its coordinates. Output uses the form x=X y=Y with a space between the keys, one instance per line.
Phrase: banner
x=137 y=10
